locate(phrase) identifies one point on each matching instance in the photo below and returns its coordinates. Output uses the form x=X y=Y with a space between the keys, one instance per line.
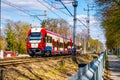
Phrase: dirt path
x=114 y=66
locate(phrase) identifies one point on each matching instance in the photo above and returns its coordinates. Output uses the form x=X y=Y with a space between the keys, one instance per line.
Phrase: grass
x=58 y=69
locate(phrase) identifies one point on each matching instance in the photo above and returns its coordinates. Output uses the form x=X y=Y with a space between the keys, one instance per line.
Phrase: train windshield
x=35 y=36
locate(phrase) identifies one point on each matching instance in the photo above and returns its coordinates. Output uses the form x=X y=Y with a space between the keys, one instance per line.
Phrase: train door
x=57 y=47
x=53 y=43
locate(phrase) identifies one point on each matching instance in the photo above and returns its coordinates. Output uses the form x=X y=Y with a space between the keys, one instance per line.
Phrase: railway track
x=23 y=60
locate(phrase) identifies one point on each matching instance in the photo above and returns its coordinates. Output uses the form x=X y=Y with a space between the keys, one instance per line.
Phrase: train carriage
x=44 y=42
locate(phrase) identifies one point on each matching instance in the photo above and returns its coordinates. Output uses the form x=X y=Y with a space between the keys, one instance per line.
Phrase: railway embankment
x=49 y=68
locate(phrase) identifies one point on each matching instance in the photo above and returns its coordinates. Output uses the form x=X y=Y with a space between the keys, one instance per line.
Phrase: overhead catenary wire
x=49 y=9
x=66 y=8
x=14 y=6
x=57 y=8
x=72 y=15
x=22 y=10
x=82 y=23
x=31 y=15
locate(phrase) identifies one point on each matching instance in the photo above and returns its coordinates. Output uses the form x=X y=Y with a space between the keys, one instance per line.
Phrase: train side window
x=68 y=43
x=49 y=39
x=55 y=44
x=61 y=45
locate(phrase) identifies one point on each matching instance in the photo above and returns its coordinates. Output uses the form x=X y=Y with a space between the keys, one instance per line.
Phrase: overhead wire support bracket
x=71 y=13
x=57 y=8
x=48 y=8
x=66 y=7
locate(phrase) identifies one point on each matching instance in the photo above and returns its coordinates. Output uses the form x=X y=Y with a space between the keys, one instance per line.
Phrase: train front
x=35 y=42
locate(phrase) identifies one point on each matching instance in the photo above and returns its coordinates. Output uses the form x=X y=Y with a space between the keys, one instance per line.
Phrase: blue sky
x=16 y=10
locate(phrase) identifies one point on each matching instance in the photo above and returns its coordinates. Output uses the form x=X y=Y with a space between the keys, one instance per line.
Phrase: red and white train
x=44 y=42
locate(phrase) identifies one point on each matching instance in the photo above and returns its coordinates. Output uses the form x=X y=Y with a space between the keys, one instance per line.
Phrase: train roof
x=56 y=34
x=48 y=31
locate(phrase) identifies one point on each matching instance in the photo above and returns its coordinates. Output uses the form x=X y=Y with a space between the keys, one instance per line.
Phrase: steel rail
x=29 y=60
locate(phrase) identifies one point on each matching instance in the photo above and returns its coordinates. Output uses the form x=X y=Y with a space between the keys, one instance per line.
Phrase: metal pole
x=75 y=3
x=84 y=45
x=88 y=22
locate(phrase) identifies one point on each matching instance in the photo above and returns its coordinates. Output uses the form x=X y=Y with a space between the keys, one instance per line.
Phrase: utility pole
x=84 y=40
x=45 y=14
x=40 y=15
x=88 y=21
x=88 y=18
x=75 y=3
x=37 y=16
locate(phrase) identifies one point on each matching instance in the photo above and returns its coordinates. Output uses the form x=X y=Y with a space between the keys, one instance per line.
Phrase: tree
x=15 y=36
x=2 y=43
x=10 y=37
x=59 y=26
x=110 y=10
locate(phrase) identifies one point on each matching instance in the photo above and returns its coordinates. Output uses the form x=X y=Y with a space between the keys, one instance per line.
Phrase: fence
x=92 y=71
x=6 y=54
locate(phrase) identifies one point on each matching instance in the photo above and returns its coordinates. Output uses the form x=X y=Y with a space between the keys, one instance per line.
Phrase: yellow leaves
x=16 y=34
x=3 y=43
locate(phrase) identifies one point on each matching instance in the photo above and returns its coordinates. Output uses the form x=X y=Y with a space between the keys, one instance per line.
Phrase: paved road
x=114 y=66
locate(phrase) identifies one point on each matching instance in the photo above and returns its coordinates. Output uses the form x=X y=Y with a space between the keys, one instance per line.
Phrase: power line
x=71 y=13
x=12 y=5
x=49 y=9
x=82 y=23
x=57 y=8
x=66 y=7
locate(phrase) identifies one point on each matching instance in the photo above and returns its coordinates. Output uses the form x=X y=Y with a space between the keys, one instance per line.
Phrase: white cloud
x=95 y=29
x=83 y=19
x=26 y=4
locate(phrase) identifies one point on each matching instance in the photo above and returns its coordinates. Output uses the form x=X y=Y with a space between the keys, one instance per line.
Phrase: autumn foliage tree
x=59 y=26
x=110 y=11
x=2 y=43
x=15 y=36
